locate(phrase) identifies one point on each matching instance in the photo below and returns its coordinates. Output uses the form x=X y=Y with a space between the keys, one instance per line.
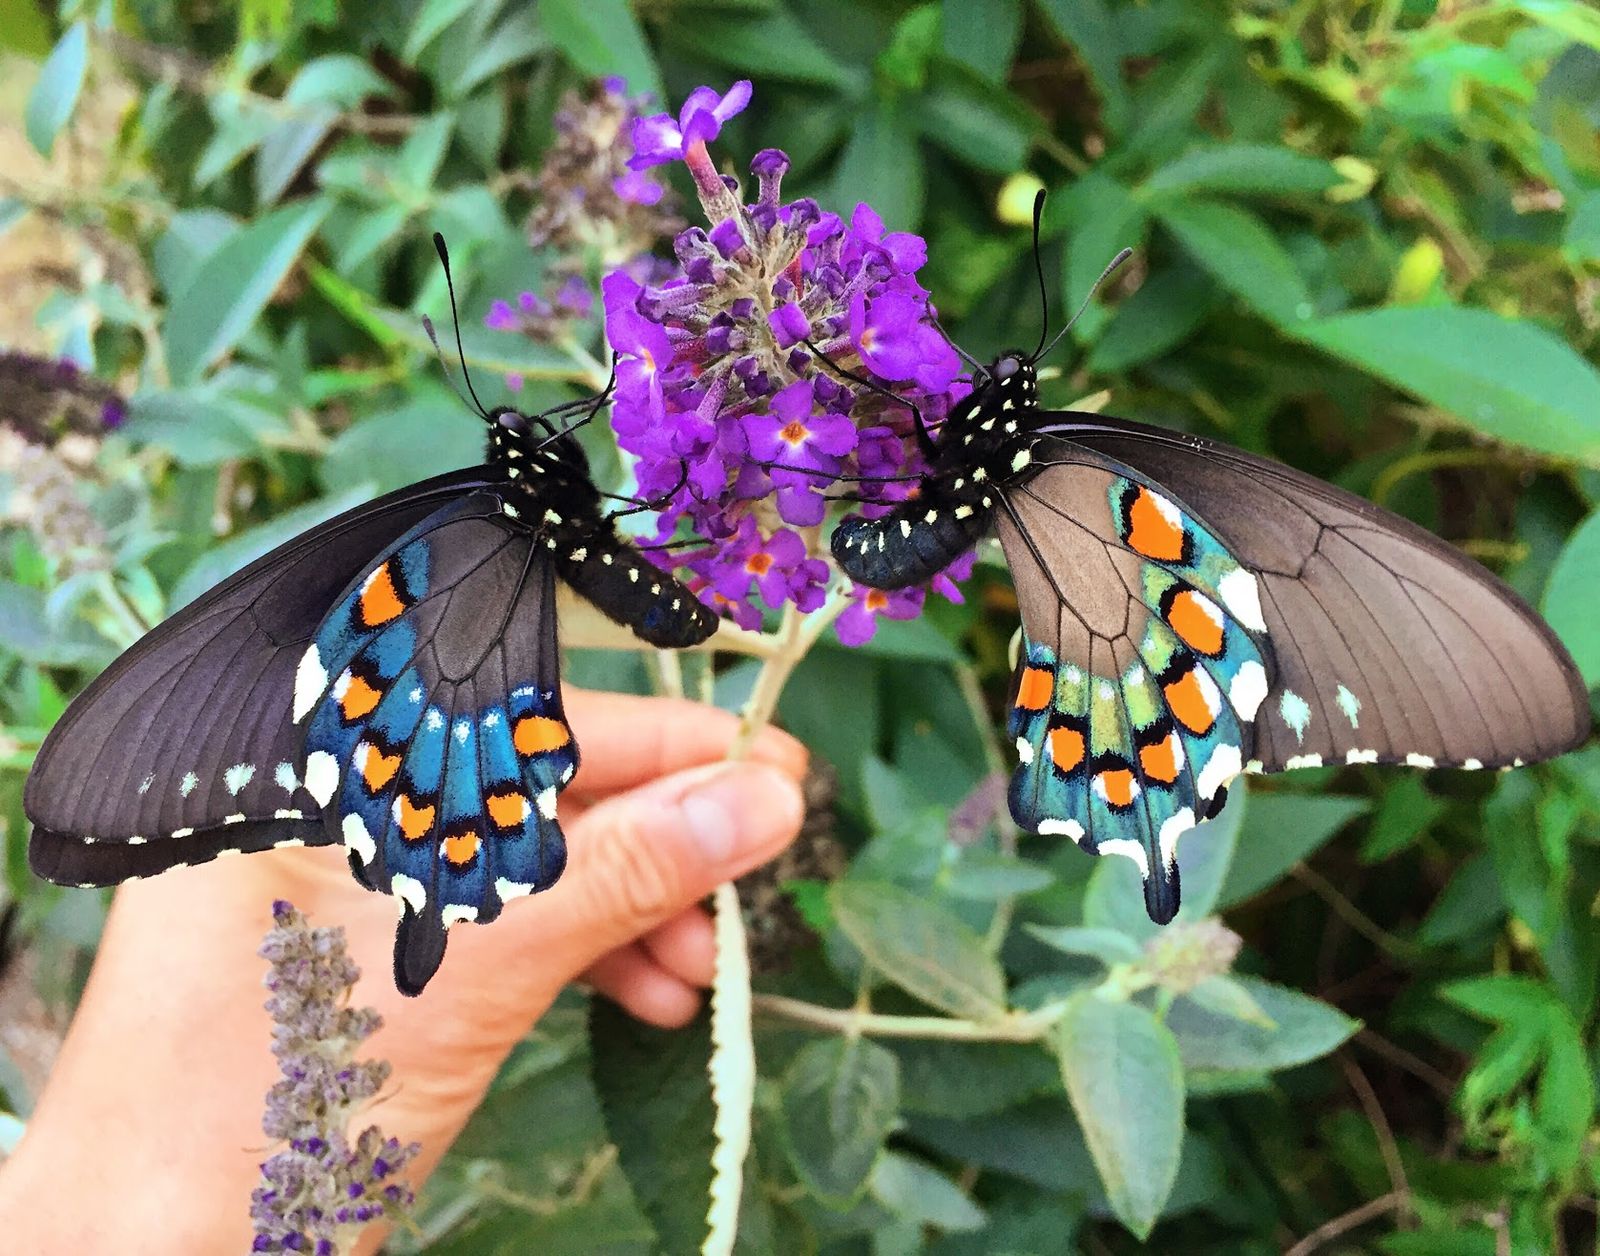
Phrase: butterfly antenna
x=959 y=351
x=1038 y=269
x=455 y=316
x=444 y=366
x=1115 y=262
x=924 y=440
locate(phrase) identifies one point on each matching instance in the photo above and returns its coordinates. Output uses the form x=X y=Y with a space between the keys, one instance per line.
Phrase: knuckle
x=636 y=882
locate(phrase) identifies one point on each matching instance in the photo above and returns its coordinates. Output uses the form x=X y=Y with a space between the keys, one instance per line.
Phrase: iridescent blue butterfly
x=1191 y=612
x=388 y=681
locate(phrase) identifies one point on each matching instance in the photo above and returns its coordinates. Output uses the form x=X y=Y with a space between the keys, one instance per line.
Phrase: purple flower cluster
x=324 y=1186
x=734 y=390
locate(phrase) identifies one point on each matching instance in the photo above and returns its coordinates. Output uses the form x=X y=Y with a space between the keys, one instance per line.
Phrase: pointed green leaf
x=1569 y=598
x=918 y=1192
x=1301 y=1028
x=232 y=286
x=1280 y=830
x=1261 y=169
x=1506 y=378
x=55 y=95
x=840 y=1100
x=1122 y=1073
x=601 y=37
x=1242 y=255
x=922 y=947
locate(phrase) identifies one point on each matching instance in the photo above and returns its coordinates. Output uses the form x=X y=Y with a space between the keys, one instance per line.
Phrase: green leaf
x=658 y=1110
x=1115 y=899
x=1564 y=1100
x=1301 y=1028
x=987 y=875
x=232 y=286
x=1110 y=946
x=748 y=43
x=341 y=79
x=433 y=17
x=882 y=166
x=983 y=36
x=1226 y=996
x=922 y=947
x=1508 y=379
x=203 y=425
x=840 y=1099
x=601 y=37
x=238 y=552
x=1169 y=307
x=1569 y=598
x=55 y=95
x=287 y=149
x=976 y=122
x=919 y=1193
x=1280 y=830
x=1102 y=217
x=425 y=435
x=1405 y=814
x=1092 y=31
x=1242 y=255
x=1122 y=1073
x=1260 y=169
x=29 y=633
x=967 y=1079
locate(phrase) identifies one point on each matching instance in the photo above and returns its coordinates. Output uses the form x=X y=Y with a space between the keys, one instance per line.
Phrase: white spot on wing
x=284 y=775
x=1296 y=713
x=1223 y=765
x=1172 y=828
x=358 y=839
x=1302 y=761
x=144 y=785
x=1024 y=751
x=1361 y=756
x=310 y=682
x=1241 y=594
x=508 y=890
x=1248 y=690
x=322 y=776
x=1350 y=705
x=455 y=913
x=410 y=891
x=187 y=785
x=547 y=803
x=1128 y=849
x=238 y=776
x=1061 y=828
x=1419 y=760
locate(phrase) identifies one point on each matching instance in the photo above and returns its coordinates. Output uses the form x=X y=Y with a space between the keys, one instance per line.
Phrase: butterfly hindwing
x=435 y=738
x=1141 y=673
x=184 y=748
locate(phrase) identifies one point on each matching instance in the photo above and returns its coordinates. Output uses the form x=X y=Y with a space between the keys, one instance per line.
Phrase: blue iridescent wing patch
x=435 y=740
x=1145 y=662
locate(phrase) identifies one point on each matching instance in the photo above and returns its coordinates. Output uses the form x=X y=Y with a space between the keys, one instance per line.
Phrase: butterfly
x=1191 y=612
x=388 y=681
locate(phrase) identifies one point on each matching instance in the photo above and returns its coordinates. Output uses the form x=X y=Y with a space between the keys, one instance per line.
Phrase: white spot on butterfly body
x=322 y=776
x=633 y=574
x=358 y=839
x=1224 y=764
x=1248 y=689
x=580 y=554
x=310 y=683
x=547 y=803
x=409 y=891
x=963 y=512
x=1296 y=713
x=511 y=511
x=550 y=516
x=1241 y=594
x=1023 y=458
x=187 y=785
x=238 y=776
x=1061 y=828
x=1024 y=751
x=931 y=517
x=285 y=778
x=905 y=528
x=1361 y=756
x=1128 y=849
x=1172 y=828
x=1350 y=705
x=455 y=913
x=1419 y=760
x=979 y=475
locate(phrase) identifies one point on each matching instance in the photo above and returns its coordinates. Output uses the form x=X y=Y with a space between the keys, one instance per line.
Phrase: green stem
x=1430 y=460
x=131 y=621
x=1012 y=1027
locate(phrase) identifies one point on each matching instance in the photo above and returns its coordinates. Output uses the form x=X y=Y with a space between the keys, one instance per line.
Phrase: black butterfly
x=389 y=681
x=1191 y=612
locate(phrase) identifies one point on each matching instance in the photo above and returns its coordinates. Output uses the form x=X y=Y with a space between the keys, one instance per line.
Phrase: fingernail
x=739 y=806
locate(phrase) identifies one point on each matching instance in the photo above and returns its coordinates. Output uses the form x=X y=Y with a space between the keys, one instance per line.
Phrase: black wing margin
x=183 y=749
x=1390 y=645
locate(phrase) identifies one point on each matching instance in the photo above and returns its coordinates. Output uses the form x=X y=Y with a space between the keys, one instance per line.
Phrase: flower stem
x=1012 y=1027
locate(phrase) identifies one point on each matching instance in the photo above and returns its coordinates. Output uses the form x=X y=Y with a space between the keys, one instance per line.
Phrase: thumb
x=638 y=859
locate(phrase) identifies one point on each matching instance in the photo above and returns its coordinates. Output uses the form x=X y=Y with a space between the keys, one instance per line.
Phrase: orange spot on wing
x=507 y=810
x=415 y=822
x=1160 y=761
x=1035 y=689
x=1187 y=700
x=1197 y=623
x=380 y=600
x=378 y=769
x=1151 y=532
x=459 y=848
x=1117 y=785
x=539 y=734
x=1066 y=748
x=359 y=698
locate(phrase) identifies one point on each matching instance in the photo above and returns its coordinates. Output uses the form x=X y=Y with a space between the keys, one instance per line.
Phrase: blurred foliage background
x=1367 y=240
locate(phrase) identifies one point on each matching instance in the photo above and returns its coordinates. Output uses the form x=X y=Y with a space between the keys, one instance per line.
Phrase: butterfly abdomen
x=624 y=586
x=911 y=544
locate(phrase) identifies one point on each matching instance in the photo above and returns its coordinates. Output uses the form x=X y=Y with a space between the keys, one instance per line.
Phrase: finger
x=626 y=741
x=634 y=981
x=685 y=946
x=638 y=859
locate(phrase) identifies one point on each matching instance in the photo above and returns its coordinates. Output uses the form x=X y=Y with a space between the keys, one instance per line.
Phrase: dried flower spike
x=319 y=1192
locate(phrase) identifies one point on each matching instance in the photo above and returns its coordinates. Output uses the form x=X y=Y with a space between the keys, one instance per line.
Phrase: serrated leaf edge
x=732 y=1069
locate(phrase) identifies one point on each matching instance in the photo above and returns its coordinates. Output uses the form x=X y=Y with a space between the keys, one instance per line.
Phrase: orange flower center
x=759 y=563
x=794 y=433
x=877 y=599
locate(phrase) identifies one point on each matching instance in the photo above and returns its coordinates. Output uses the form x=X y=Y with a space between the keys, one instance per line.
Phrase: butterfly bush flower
x=593 y=212
x=734 y=421
x=319 y=1192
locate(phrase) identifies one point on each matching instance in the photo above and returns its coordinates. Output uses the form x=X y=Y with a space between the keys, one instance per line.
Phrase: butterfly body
x=1191 y=612
x=388 y=681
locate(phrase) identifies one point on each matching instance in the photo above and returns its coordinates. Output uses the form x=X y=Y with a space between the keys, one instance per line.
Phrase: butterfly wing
x=1144 y=665
x=435 y=742
x=183 y=748
x=1391 y=645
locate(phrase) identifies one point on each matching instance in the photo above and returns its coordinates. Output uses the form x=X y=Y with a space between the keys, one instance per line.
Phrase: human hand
x=153 y=1109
